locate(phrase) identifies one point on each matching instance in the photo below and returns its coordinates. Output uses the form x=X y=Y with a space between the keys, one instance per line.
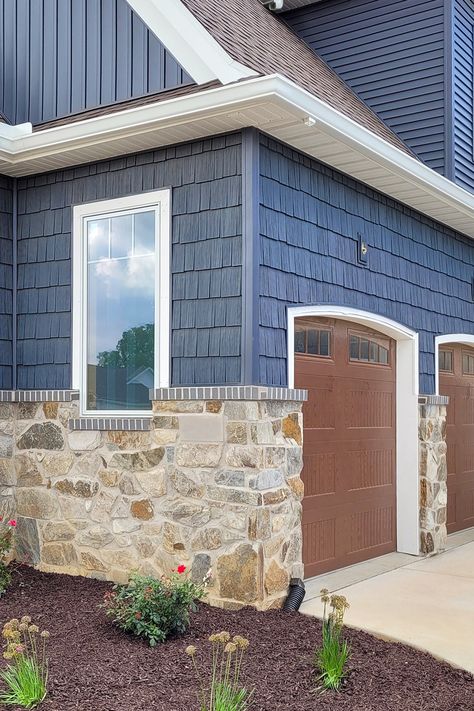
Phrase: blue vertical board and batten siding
x=419 y=273
x=206 y=279
x=6 y=276
x=63 y=56
x=463 y=92
x=392 y=55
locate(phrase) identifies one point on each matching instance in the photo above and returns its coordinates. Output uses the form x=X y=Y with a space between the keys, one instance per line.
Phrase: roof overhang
x=273 y=104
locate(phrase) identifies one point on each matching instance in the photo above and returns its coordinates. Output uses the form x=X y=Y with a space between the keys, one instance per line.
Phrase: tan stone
x=7 y=473
x=109 y=477
x=177 y=406
x=36 y=503
x=128 y=485
x=297 y=486
x=91 y=562
x=142 y=509
x=173 y=538
x=27 y=473
x=50 y=410
x=291 y=429
x=103 y=505
x=248 y=456
x=189 y=485
x=207 y=539
x=128 y=440
x=164 y=436
x=274 y=497
x=189 y=514
x=80 y=488
x=214 y=406
x=237 y=574
x=145 y=545
x=57 y=464
x=81 y=440
x=95 y=537
x=138 y=461
x=152 y=482
x=236 y=433
x=58 y=531
x=72 y=508
x=198 y=455
x=259 y=525
x=59 y=554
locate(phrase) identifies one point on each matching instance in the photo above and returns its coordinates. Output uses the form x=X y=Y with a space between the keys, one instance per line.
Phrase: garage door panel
x=368 y=408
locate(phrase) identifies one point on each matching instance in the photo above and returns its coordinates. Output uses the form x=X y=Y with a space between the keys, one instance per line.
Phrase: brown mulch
x=95 y=667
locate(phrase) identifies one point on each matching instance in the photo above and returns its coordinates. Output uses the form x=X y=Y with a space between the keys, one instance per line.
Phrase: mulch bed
x=95 y=667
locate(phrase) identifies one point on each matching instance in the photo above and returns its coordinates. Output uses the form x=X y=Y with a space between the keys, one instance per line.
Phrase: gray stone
x=267 y=479
x=27 y=547
x=235 y=496
x=58 y=531
x=95 y=537
x=200 y=567
x=41 y=436
x=138 y=461
x=249 y=456
x=80 y=488
x=189 y=485
x=27 y=473
x=7 y=474
x=189 y=514
x=6 y=446
x=81 y=441
x=27 y=410
x=36 y=503
x=198 y=455
x=230 y=477
x=128 y=485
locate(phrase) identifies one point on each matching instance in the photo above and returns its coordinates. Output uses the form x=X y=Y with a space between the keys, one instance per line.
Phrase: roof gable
x=61 y=57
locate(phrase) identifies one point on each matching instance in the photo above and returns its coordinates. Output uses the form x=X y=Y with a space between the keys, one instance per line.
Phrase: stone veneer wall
x=433 y=474
x=213 y=484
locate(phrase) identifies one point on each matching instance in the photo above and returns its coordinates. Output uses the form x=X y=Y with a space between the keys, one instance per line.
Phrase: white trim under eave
x=200 y=55
x=71 y=144
x=407 y=378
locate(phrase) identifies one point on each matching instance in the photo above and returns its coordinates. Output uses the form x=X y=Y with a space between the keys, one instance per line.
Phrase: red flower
x=181 y=569
x=12 y=522
x=138 y=615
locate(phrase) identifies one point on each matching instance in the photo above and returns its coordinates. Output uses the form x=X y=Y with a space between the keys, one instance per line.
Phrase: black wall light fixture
x=362 y=250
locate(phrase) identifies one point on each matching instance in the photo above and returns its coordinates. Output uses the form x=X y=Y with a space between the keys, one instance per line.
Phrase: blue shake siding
x=6 y=256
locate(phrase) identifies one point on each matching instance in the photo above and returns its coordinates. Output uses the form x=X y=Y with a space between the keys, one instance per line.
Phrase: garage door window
x=313 y=341
x=467 y=364
x=368 y=350
x=446 y=361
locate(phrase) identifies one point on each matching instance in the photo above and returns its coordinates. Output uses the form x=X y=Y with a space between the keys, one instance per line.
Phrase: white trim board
x=159 y=199
x=466 y=339
x=273 y=104
x=200 y=55
x=407 y=377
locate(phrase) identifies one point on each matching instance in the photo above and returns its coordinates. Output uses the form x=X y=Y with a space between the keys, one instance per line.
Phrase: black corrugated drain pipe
x=296 y=595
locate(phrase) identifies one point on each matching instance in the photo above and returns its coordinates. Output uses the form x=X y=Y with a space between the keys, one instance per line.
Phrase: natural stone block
x=214 y=406
x=57 y=464
x=177 y=406
x=189 y=485
x=248 y=456
x=237 y=574
x=152 y=482
x=138 y=461
x=58 y=531
x=274 y=497
x=128 y=485
x=91 y=562
x=36 y=503
x=103 y=506
x=95 y=537
x=162 y=422
x=26 y=471
x=297 y=486
x=173 y=539
x=275 y=456
x=230 y=477
x=73 y=509
x=7 y=473
x=142 y=509
x=236 y=496
x=80 y=488
x=27 y=546
x=59 y=554
x=125 y=525
x=6 y=446
x=207 y=539
x=198 y=455
x=291 y=429
x=41 y=436
x=27 y=410
x=81 y=441
x=236 y=433
x=109 y=477
x=259 y=525
x=294 y=461
x=276 y=579
x=267 y=479
x=189 y=514
x=145 y=545
x=128 y=440
x=50 y=410
x=200 y=567
x=262 y=433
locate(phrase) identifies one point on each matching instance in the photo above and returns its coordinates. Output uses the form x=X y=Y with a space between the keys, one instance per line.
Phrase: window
x=467 y=363
x=368 y=350
x=313 y=341
x=446 y=361
x=121 y=302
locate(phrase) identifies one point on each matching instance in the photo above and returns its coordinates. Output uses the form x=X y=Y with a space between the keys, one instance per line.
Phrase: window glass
x=324 y=337
x=468 y=364
x=120 y=316
x=300 y=345
x=364 y=349
x=354 y=348
x=312 y=341
x=367 y=350
x=446 y=361
x=144 y=232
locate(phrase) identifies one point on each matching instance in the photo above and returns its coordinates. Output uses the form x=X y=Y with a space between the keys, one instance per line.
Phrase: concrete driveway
x=425 y=602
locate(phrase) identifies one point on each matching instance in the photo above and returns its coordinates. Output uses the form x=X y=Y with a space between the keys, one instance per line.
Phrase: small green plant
x=26 y=676
x=7 y=527
x=154 y=609
x=331 y=659
x=224 y=691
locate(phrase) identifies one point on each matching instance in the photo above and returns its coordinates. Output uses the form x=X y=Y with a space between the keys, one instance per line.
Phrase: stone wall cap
x=433 y=400
x=229 y=392
x=38 y=395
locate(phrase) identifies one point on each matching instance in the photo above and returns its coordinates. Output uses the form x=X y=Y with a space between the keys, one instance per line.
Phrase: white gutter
x=67 y=142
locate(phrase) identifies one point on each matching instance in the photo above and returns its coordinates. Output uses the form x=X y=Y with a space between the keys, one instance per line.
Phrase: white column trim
x=407 y=390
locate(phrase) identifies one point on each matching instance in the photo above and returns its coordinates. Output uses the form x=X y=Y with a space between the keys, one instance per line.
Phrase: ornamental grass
x=25 y=678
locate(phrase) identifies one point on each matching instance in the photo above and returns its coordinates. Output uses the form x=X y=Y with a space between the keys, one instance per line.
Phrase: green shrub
x=154 y=609
x=7 y=528
x=331 y=659
x=224 y=691
x=26 y=675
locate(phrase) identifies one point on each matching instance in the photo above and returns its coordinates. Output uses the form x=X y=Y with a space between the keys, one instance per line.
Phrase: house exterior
x=237 y=279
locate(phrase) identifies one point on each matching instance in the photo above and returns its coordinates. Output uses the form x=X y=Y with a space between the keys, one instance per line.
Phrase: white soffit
x=200 y=55
x=273 y=104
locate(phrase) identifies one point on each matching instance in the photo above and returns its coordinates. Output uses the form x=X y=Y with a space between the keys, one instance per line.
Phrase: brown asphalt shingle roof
x=259 y=39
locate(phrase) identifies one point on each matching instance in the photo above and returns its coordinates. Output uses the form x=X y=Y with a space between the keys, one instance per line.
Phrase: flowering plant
x=26 y=675
x=331 y=659
x=7 y=528
x=154 y=609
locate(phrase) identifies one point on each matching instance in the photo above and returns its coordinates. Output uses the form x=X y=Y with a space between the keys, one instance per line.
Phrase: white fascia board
x=200 y=55
x=258 y=94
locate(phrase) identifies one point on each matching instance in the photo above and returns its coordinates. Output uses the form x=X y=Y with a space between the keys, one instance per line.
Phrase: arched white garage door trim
x=466 y=339
x=407 y=408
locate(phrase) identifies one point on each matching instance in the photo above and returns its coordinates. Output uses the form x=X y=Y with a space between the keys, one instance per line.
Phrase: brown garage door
x=349 y=509
x=456 y=379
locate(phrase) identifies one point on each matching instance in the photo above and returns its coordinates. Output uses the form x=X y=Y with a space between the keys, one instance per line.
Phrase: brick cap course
x=229 y=392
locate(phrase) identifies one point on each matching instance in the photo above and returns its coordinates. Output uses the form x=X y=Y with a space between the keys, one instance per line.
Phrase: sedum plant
x=154 y=609
x=331 y=659
x=26 y=676
x=7 y=527
x=224 y=692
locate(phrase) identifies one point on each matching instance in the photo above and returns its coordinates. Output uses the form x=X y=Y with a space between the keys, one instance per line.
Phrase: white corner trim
x=161 y=200
x=200 y=55
x=407 y=378
x=466 y=339
x=16 y=131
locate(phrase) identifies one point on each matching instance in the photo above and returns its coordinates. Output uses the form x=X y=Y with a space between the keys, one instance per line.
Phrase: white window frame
x=160 y=200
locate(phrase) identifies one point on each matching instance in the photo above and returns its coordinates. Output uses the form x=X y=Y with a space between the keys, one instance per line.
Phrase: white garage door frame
x=407 y=393
x=465 y=339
